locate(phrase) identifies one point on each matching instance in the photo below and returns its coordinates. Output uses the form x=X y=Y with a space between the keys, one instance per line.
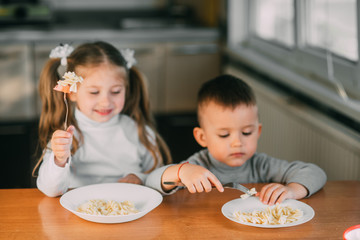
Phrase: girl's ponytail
x=53 y=109
x=137 y=106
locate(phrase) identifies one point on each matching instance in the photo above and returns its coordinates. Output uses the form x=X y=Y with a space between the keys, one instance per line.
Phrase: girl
x=111 y=137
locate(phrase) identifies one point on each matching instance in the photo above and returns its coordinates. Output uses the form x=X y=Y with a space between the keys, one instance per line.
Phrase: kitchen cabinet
x=18 y=142
x=175 y=72
x=150 y=59
x=17 y=89
x=188 y=66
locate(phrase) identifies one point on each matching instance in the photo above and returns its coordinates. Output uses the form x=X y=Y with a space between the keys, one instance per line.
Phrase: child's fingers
x=215 y=182
x=282 y=197
x=61 y=141
x=266 y=192
x=199 y=186
x=70 y=129
x=271 y=193
x=62 y=134
x=277 y=192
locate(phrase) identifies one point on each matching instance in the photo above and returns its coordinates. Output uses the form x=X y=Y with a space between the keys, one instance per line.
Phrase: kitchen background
x=178 y=44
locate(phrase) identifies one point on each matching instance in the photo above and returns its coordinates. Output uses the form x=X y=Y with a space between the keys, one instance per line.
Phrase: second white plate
x=253 y=203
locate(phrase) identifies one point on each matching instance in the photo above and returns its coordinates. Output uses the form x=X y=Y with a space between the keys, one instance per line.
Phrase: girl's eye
x=247 y=133
x=94 y=93
x=224 y=135
x=116 y=92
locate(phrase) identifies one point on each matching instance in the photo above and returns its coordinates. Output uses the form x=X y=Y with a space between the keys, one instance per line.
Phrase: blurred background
x=301 y=58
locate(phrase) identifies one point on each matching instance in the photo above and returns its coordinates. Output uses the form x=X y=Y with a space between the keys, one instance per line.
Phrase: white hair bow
x=128 y=55
x=62 y=51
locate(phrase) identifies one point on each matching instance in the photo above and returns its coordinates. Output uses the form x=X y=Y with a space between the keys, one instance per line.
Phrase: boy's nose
x=236 y=142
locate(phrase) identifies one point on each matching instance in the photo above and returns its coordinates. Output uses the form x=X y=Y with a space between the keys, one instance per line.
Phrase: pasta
x=271 y=215
x=250 y=193
x=107 y=208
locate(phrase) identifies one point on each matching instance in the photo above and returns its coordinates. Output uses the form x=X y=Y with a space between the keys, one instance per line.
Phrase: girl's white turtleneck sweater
x=109 y=151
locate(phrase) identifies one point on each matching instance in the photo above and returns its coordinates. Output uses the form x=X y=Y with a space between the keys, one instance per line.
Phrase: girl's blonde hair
x=137 y=104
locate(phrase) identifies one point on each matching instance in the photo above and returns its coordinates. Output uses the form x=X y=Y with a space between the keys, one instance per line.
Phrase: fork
x=233 y=185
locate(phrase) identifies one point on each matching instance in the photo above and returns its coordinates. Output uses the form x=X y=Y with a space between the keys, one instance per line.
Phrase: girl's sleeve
x=53 y=180
x=311 y=176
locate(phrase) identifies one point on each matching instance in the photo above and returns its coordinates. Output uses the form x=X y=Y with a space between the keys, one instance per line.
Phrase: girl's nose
x=105 y=100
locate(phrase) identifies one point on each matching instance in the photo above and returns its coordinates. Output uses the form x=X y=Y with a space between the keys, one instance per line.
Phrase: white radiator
x=294 y=131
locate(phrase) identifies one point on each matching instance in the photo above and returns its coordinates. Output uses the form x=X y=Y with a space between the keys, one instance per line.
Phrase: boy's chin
x=235 y=162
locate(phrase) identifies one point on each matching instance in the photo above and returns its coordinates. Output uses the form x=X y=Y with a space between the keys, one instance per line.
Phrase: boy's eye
x=94 y=92
x=247 y=133
x=224 y=135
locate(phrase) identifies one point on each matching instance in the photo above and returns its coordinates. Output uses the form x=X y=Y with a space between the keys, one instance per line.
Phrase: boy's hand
x=130 y=178
x=198 y=179
x=61 y=144
x=274 y=193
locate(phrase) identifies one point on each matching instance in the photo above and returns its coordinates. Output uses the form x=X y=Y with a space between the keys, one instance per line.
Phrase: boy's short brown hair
x=227 y=91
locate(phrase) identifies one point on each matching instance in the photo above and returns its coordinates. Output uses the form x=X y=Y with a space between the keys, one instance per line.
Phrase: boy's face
x=230 y=135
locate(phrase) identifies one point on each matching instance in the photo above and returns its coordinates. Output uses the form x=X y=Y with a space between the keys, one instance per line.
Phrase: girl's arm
x=53 y=180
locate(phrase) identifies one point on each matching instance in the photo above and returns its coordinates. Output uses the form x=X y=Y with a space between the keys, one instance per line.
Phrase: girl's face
x=231 y=135
x=101 y=95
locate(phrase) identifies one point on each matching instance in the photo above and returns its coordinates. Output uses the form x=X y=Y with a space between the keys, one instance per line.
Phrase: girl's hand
x=61 y=144
x=274 y=193
x=198 y=179
x=130 y=178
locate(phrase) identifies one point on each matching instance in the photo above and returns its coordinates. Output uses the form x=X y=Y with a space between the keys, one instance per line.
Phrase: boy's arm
x=309 y=175
x=276 y=192
x=196 y=178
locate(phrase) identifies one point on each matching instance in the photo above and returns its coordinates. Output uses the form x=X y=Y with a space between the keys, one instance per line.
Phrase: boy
x=229 y=131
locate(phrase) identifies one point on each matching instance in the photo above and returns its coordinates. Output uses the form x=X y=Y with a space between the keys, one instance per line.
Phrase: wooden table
x=28 y=214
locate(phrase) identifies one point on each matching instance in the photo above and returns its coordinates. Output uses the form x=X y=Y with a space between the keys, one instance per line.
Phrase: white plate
x=145 y=199
x=253 y=203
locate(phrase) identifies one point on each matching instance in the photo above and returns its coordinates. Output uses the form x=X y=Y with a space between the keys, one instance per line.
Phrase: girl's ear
x=72 y=96
x=199 y=136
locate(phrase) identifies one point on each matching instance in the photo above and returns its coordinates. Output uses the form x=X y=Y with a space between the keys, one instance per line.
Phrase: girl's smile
x=104 y=112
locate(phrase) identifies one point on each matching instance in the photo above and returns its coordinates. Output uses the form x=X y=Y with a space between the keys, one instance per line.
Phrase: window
x=310 y=45
x=332 y=25
x=274 y=21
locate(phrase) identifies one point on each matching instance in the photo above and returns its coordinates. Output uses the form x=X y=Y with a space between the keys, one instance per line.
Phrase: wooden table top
x=29 y=214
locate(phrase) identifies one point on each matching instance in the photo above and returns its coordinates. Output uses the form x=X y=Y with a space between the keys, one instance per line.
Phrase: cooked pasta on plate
x=107 y=208
x=252 y=212
x=111 y=202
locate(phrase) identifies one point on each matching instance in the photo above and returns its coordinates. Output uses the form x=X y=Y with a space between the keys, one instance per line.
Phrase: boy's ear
x=260 y=129
x=200 y=136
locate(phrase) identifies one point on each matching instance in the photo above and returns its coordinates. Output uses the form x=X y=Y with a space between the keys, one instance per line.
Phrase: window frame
x=302 y=67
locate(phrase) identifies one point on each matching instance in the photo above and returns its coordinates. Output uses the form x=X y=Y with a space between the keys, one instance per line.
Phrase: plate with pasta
x=111 y=202
x=254 y=213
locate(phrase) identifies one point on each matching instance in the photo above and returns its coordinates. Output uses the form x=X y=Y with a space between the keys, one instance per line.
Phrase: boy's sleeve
x=154 y=180
x=53 y=180
x=312 y=177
